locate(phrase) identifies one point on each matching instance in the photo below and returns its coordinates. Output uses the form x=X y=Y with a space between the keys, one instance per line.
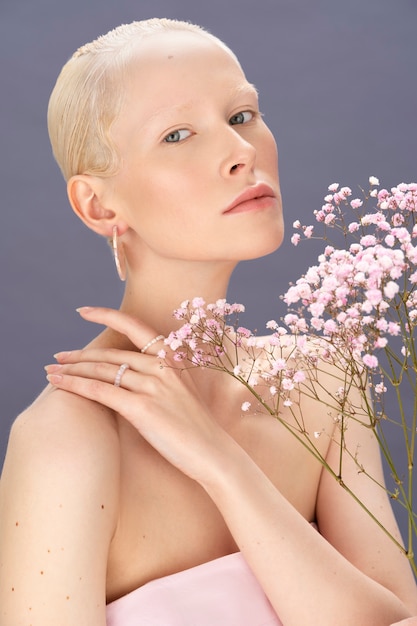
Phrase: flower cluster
x=366 y=292
x=354 y=313
x=211 y=336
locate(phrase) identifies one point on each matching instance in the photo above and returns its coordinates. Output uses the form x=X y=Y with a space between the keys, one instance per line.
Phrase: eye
x=241 y=118
x=177 y=135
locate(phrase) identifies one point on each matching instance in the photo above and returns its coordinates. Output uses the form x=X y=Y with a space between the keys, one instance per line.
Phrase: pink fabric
x=223 y=592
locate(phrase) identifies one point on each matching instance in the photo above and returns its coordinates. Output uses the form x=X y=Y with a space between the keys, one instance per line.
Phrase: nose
x=240 y=154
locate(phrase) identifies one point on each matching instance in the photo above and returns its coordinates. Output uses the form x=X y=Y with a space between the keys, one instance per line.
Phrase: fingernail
x=54 y=367
x=84 y=309
x=61 y=356
x=54 y=379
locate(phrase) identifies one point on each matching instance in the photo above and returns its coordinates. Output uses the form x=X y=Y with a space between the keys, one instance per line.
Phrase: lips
x=256 y=197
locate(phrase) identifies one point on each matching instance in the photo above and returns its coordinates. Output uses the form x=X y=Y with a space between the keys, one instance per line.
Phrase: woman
x=143 y=487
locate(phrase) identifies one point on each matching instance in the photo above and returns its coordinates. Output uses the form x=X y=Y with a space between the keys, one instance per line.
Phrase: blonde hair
x=88 y=95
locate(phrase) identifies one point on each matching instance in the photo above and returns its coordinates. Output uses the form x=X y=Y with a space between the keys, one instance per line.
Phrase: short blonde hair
x=88 y=95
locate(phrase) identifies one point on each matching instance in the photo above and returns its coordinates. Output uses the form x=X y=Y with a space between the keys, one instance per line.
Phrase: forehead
x=179 y=61
x=180 y=45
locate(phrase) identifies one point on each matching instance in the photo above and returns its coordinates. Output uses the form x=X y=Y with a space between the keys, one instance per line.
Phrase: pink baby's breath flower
x=380 y=388
x=373 y=180
x=271 y=325
x=278 y=365
x=381 y=324
x=345 y=192
x=308 y=231
x=274 y=340
x=380 y=342
x=316 y=323
x=374 y=296
x=370 y=360
x=237 y=308
x=246 y=406
x=299 y=377
x=175 y=344
x=397 y=219
x=329 y=219
x=368 y=240
x=391 y=289
x=295 y=239
x=244 y=332
x=296 y=224
x=356 y=203
x=180 y=313
x=393 y=329
x=287 y=384
x=333 y=187
x=316 y=309
x=197 y=302
x=353 y=227
x=330 y=327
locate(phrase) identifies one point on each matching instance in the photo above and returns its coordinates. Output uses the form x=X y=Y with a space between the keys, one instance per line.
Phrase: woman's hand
x=157 y=397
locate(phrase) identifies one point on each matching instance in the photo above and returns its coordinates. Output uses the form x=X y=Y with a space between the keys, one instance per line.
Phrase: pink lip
x=252 y=198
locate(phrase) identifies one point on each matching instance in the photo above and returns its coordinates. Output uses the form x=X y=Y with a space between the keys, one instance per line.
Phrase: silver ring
x=151 y=342
x=120 y=372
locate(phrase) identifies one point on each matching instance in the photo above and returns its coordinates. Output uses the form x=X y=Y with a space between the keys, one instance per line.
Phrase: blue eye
x=177 y=135
x=241 y=118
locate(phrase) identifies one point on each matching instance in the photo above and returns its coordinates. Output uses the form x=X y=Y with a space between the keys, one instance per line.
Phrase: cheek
x=270 y=148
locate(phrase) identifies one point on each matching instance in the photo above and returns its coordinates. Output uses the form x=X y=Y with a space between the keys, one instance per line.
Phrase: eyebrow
x=247 y=88
x=239 y=91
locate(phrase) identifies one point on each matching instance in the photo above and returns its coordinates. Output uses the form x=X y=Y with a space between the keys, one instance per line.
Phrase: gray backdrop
x=338 y=88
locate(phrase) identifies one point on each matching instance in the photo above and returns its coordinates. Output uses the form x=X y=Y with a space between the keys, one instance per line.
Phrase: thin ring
x=151 y=342
x=120 y=372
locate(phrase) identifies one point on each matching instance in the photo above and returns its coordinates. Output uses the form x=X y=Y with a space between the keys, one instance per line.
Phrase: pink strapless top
x=223 y=592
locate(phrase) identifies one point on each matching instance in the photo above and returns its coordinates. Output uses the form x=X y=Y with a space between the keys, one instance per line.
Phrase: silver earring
x=119 y=255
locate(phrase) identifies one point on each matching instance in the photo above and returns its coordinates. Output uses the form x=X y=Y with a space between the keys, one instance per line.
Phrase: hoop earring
x=119 y=255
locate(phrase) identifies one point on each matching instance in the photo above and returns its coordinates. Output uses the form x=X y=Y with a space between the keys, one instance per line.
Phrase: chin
x=266 y=243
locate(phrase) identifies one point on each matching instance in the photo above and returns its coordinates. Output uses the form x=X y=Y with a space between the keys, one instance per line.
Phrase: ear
x=87 y=196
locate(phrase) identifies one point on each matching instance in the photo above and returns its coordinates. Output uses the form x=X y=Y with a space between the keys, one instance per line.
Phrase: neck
x=153 y=295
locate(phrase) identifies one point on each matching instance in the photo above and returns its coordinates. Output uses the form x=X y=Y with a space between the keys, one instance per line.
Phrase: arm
x=307 y=579
x=57 y=514
x=360 y=580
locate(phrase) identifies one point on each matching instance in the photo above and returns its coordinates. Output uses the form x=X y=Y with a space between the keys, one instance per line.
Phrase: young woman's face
x=191 y=141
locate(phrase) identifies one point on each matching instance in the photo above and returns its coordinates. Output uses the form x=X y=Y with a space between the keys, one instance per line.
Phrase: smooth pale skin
x=106 y=488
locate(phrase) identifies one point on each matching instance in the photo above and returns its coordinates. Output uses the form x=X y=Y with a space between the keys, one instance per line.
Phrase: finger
x=140 y=334
x=136 y=360
x=105 y=372
x=119 y=376
x=116 y=398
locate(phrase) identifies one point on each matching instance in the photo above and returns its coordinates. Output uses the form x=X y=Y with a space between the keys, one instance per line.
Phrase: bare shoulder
x=58 y=498
x=62 y=441
x=61 y=419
